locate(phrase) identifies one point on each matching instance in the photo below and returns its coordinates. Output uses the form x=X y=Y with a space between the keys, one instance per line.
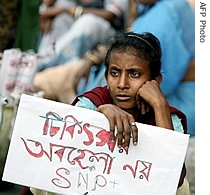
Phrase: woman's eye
x=114 y=73
x=135 y=74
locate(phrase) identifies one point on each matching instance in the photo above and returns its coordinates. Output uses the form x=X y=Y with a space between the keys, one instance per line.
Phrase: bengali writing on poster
x=65 y=149
x=83 y=158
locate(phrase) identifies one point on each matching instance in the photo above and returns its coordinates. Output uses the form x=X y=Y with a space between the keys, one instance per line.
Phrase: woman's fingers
x=134 y=131
x=122 y=125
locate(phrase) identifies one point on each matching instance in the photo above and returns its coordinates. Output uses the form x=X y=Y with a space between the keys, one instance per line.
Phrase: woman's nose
x=123 y=81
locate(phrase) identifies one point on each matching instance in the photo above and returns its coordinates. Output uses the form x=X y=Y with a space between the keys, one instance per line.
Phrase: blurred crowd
x=69 y=39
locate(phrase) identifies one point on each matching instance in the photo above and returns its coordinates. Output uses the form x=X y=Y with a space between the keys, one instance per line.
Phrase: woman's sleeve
x=176 y=121
x=86 y=103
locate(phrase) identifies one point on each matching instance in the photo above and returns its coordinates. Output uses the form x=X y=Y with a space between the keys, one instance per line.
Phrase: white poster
x=65 y=149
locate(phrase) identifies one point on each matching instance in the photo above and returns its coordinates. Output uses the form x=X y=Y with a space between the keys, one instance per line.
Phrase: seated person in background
x=173 y=23
x=54 y=23
x=94 y=21
x=132 y=93
x=178 y=48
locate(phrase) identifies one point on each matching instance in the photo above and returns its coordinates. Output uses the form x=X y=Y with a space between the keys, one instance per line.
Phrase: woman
x=133 y=64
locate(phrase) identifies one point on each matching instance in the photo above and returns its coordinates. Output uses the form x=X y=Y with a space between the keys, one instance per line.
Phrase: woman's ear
x=159 y=78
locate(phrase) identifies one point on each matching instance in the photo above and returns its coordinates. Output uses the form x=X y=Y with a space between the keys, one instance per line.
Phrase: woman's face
x=126 y=74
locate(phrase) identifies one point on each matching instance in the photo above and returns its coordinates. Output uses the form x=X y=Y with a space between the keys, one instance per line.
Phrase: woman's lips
x=123 y=97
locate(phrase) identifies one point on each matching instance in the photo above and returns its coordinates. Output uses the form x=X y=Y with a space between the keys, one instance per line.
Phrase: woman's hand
x=122 y=121
x=151 y=93
x=152 y=96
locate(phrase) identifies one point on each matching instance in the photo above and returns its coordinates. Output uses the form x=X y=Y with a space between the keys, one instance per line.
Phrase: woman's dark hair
x=146 y=45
